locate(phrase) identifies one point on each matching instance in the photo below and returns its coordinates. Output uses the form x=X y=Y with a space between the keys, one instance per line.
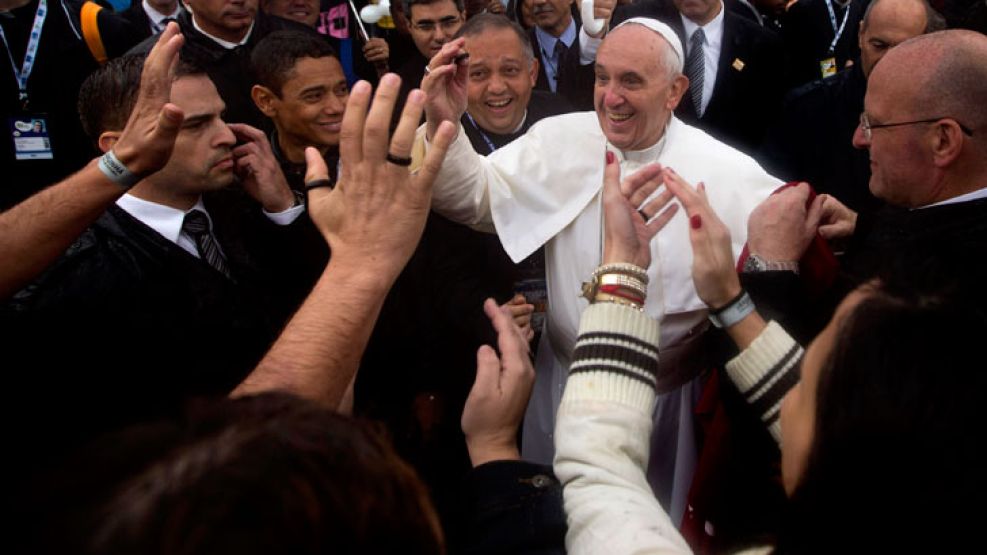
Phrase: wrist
x=283 y=200
x=735 y=311
x=763 y=263
x=482 y=452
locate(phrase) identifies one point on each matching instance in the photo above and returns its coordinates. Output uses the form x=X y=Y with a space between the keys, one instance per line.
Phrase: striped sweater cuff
x=765 y=371
x=616 y=357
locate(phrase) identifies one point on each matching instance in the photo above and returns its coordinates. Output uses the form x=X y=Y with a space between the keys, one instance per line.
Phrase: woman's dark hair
x=896 y=463
x=268 y=474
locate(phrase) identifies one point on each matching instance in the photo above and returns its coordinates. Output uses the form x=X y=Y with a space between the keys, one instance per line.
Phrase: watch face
x=753 y=264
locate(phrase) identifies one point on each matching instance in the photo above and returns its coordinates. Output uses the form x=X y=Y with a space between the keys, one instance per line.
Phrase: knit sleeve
x=765 y=371
x=603 y=437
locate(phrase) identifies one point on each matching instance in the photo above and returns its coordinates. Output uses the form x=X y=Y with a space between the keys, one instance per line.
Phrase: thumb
x=487 y=369
x=315 y=165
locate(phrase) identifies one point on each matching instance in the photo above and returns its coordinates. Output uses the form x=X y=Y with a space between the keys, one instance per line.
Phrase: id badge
x=30 y=137
x=828 y=67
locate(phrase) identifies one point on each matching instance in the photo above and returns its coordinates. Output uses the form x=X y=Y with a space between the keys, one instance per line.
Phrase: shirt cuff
x=285 y=217
x=587 y=47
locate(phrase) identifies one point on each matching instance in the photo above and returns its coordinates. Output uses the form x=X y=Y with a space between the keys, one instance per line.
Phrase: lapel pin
x=738 y=64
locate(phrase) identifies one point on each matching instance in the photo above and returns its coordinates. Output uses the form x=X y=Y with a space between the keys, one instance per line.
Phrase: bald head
x=928 y=140
x=887 y=23
x=947 y=76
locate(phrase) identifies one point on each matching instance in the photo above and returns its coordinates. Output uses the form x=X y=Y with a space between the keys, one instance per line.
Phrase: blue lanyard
x=30 y=54
x=838 y=32
x=482 y=134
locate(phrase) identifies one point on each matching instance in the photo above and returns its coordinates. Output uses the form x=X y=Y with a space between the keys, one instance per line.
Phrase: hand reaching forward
x=375 y=215
x=629 y=221
x=714 y=269
x=146 y=142
x=500 y=393
x=444 y=84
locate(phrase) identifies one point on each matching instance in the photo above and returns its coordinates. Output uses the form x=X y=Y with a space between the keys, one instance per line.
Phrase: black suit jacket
x=748 y=91
x=575 y=80
x=229 y=69
x=136 y=15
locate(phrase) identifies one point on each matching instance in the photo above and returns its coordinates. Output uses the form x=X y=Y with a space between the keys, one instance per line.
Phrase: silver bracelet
x=734 y=312
x=113 y=168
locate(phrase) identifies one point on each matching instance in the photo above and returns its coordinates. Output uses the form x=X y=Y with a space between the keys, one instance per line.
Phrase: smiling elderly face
x=635 y=91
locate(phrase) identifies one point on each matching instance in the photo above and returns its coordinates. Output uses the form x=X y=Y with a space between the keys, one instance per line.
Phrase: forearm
x=461 y=190
x=603 y=436
x=317 y=356
x=35 y=232
x=765 y=371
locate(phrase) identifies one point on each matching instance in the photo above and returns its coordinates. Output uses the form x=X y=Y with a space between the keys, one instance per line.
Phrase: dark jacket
x=575 y=80
x=229 y=69
x=807 y=32
x=748 y=90
x=126 y=325
x=63 y=63
x=813 y=140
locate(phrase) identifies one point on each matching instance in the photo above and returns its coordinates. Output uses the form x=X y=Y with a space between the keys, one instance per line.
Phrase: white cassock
x=544 y=189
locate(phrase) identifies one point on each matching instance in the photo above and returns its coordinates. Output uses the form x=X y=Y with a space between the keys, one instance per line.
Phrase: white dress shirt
x=973 y=195
x=167 y=221
x=225 y=43
x=711 y=51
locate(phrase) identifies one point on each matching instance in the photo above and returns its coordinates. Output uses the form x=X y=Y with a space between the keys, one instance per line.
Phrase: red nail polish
x=696 y=221
x=610 y=157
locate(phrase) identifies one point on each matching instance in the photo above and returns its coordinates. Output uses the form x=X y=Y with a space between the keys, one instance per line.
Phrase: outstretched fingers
x=351 y=132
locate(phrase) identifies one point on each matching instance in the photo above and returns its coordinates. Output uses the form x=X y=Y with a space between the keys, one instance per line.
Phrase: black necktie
x=560 y=50
x=694 y=69
x=196 y=224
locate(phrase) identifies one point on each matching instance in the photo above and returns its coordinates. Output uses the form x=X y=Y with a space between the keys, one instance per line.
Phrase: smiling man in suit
x=734 y=68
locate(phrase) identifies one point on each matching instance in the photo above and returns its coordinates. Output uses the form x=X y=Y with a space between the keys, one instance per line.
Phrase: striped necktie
x=196 y=225
x=694 y=69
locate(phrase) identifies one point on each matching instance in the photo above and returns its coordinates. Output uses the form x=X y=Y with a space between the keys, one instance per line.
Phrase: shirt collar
x=225 y=43
x=157 y=17
x=547 y=41
x=166 y=220
x=712 y=30
x=973 y=195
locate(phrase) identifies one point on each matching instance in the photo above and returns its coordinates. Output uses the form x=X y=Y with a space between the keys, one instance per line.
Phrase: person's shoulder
x=717 y=155
x=564 y=127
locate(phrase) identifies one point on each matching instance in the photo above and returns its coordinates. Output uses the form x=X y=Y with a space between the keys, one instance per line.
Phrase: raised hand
x=500 y=394
x=714 y=270
x=629 y=221
x=147 y=140
x=444 y=84
x=375 y=215
x=259 y=170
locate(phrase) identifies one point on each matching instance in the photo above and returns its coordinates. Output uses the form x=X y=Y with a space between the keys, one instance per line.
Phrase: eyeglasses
x=448 y=24
x=867 y=126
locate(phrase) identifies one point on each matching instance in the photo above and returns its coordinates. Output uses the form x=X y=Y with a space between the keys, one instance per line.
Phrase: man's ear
x=265 y=99
x=947 y=142
x=107 y=139
x=675 y=91
x=533 y=73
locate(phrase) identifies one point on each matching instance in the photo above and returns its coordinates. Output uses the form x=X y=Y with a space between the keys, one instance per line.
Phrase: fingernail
x=610 y=157
x=702 y=185
x=696 y=221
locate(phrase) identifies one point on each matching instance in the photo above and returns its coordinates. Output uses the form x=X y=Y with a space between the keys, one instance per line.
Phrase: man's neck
x=221 y=33
x=149 y=190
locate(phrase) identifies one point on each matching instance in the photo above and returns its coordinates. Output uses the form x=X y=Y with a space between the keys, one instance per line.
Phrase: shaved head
x=947 y=76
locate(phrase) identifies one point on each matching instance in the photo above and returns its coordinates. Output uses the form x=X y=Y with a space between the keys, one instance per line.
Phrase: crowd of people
x=693 y=276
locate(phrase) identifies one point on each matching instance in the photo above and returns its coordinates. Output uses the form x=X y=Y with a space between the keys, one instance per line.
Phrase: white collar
x=646 y=155
x=973 y=195
x=225 y=43
x=713 y=29
x=164 y=219
x=157 y=17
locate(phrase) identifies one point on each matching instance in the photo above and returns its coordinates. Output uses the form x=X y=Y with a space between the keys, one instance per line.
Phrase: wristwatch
x=755 y=263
